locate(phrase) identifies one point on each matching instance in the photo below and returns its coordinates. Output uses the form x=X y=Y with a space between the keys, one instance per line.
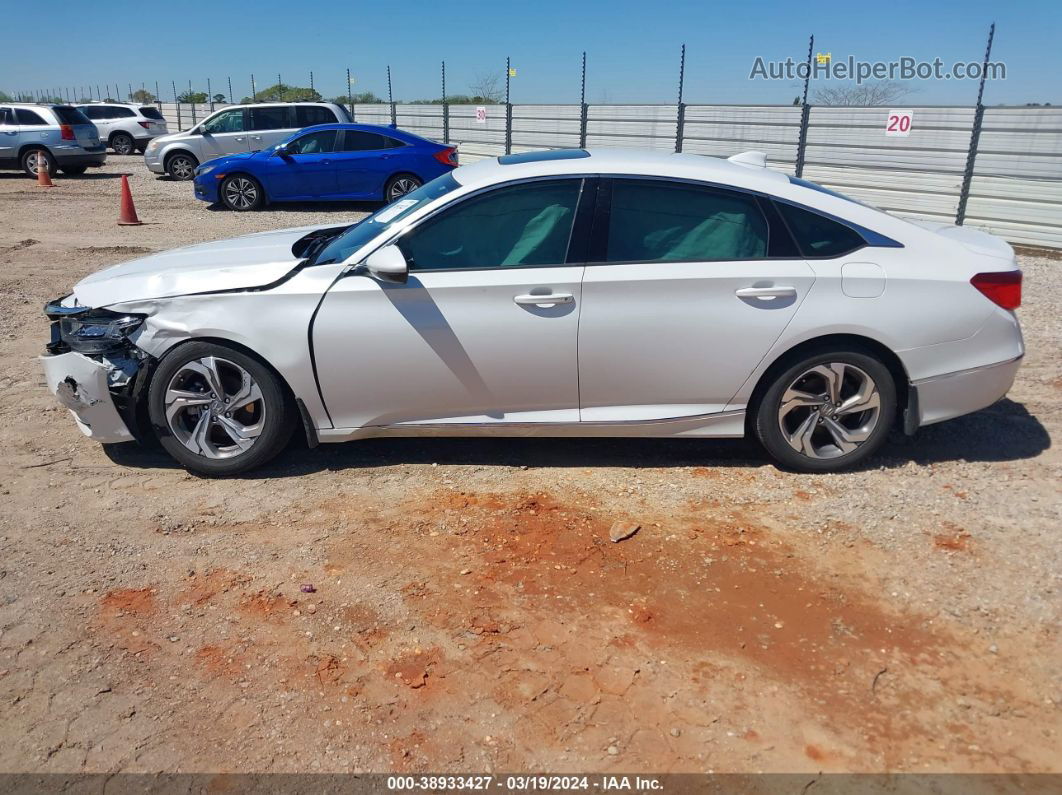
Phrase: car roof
x=374 y=128
x=638 y=162
x=274 y=102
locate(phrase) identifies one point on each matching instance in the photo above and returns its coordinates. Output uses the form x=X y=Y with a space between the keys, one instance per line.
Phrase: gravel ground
x=464 y=608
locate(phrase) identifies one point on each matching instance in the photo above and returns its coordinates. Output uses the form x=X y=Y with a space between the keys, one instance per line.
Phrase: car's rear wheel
x=241 y=192
x=122 y=143
x=827 y=412
x=74 y=171
x=181 y=166
x=33 y=159
x=217 y=410
x=399 y=185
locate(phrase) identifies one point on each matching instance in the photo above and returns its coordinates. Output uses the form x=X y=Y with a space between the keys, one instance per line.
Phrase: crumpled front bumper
x=80 y=384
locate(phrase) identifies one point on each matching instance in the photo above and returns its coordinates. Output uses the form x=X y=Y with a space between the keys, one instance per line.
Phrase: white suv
x=125 y=128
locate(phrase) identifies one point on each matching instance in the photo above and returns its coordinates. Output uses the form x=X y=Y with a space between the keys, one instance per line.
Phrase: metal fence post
x=680 y=120
x=802 y=140
x=445 y=108
x=210 y=96
x=583 y=107
x=350 y=99
x=391 y=98
x=975 y=136
x=180 y=127
x=508 y=128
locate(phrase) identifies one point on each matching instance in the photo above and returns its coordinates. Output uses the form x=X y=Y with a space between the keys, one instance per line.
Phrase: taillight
x=145 y=124
x=448 y=157
x=1002 y=288
x=66 y=132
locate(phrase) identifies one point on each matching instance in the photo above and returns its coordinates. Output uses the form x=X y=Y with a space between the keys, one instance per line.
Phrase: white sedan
x=563 y=293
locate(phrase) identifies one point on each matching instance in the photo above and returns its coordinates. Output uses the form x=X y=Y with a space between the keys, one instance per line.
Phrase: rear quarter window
x=69 y=115
x=151 y=113
x=817 y=235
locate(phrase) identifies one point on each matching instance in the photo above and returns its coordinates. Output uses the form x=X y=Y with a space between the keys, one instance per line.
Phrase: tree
x=4 y=97
x=193 y=97
x=143 y=97
x=485 y=89
x=284 y=93
x=865 y=95
x=364 y=98
x=219 y=97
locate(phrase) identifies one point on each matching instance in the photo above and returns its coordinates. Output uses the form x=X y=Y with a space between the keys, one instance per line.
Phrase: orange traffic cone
x=127 y=215
x=44 y=179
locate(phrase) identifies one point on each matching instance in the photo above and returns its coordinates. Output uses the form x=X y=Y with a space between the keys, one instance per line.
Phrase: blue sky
x=632 y=46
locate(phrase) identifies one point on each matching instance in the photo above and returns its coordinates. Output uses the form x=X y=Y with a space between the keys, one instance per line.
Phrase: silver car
x=235 y=129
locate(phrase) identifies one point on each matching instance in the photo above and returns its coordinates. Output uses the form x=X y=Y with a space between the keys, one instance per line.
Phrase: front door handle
x=541 y=300
x=766 y=292
x=238 y=139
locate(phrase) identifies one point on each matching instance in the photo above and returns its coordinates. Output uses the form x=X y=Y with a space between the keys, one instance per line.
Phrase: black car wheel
x=399 y=185
x=827 y=411
x=32 y=159
x=122 y=143
x=241 y=192
x=219 y=411
x=181 y=166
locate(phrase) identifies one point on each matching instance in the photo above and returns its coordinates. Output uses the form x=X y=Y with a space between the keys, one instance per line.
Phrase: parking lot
x=457 y=605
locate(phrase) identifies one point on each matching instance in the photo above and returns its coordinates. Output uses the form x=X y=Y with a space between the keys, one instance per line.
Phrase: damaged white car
x=565 y=293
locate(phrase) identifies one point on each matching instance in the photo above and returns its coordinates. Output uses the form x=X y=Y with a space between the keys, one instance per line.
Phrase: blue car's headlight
x=205 y=169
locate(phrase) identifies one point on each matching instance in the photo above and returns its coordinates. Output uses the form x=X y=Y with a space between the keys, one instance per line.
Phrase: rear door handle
x=766 y=292
x=540 y=300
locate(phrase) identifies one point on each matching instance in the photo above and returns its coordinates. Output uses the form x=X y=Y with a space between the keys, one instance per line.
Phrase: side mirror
x=282 y=151
x=388 y=264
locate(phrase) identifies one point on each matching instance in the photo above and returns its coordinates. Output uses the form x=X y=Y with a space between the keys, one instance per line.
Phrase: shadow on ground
x=1004 y=432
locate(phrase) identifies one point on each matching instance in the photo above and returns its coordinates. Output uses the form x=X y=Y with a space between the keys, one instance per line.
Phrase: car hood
x=238 y=263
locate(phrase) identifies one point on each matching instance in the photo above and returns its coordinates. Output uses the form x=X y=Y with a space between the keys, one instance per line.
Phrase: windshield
x=362 y=232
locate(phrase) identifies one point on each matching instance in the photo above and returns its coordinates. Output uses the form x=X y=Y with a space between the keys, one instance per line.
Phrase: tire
x=241 y=192
x=399 y=185
x=181 y=166
x=803 y=431
x=73 y=171
x=123 y=143
x=205 y=434
x=30 y=158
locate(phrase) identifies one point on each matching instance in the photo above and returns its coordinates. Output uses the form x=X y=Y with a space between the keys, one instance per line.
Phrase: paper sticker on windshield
x=395 y=210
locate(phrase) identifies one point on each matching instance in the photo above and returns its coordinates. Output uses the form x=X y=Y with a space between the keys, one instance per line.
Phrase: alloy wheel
x=34 y=160
x=214 y=408
x=182 y=167
x=829 y=410
x=241 y=193
x=402 y=186
x=122 y=144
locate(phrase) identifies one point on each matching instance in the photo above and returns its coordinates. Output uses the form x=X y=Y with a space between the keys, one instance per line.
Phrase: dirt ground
x=457 y=605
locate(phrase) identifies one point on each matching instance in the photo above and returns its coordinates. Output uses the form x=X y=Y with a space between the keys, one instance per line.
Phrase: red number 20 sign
x=899 y=122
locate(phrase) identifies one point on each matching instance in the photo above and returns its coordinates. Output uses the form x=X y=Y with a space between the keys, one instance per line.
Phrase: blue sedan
x=329 y=162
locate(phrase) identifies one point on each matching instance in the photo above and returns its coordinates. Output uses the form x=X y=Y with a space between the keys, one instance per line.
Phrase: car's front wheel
x=122 y=143
x=399 y=185
x=181 y=166
x=240 y=192
x=219 y=411
x=827 y=412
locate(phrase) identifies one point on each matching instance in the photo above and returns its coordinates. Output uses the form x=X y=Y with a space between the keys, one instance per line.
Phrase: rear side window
x=309 y=115
x=69 y=115
x=673 y=222
x=358 y=141
x=95 y=112
x=314 y=143
x=121 y=113
x=271 y=117
x=27 y=116
x=818 y=236
x=151 y=113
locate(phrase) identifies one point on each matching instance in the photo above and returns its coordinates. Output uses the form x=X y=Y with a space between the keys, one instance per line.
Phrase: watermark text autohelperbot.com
x=824 y=67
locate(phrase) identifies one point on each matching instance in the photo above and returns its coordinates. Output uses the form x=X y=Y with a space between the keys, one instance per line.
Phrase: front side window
x=121 y=113
x=95 y=112
x=656 y=221
x=520 y=225
x=28 y=117
x=271 y=117
x=818 y=236
x=314 y=143
x=228 y=121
